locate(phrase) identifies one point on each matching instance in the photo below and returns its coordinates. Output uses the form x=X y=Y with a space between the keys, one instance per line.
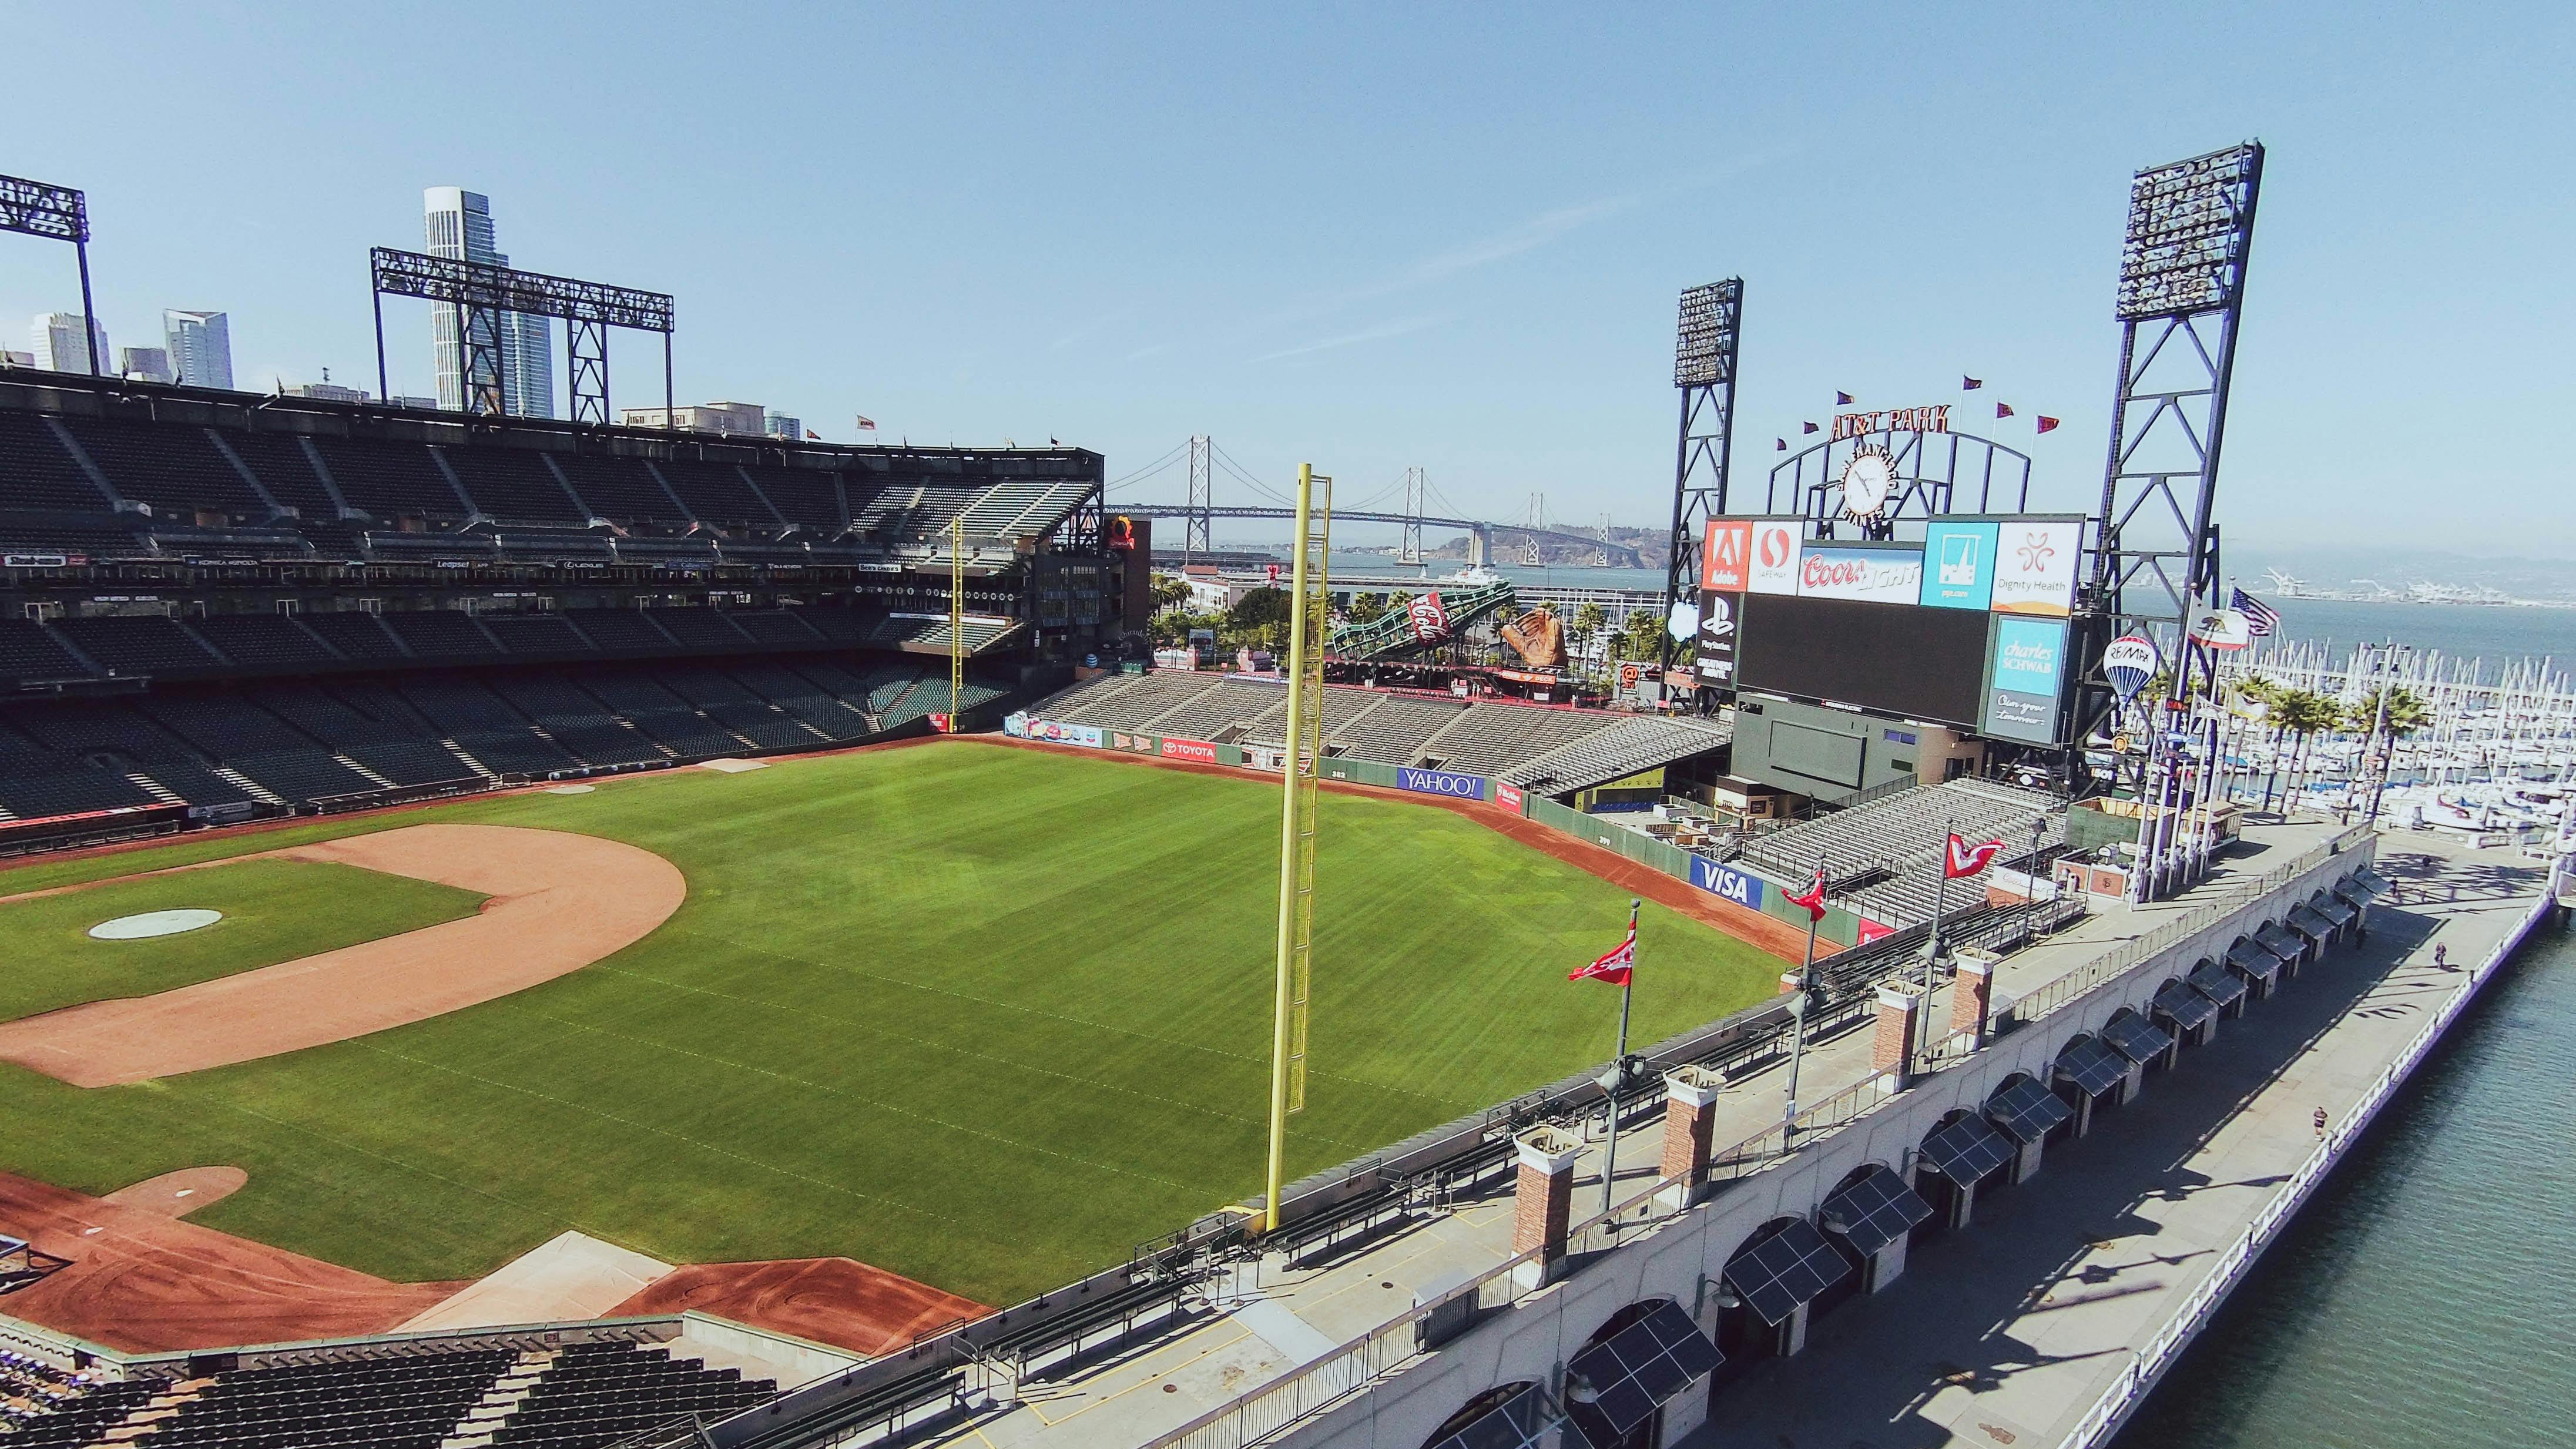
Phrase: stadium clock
x=1869 y=481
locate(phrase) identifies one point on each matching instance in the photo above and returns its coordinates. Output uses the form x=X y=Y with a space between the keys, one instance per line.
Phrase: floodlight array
x=481 y=284
x=2189 y=225
x=38 y=208
x=1704 y=355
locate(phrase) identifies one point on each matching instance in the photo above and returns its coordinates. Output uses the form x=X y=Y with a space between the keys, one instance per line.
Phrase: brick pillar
x=1898 y=1021
x=1543 y=1202
x=1972 y=995
x=1690 y=1115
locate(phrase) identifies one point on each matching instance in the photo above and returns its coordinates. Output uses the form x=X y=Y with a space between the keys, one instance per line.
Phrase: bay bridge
x=1412 y=499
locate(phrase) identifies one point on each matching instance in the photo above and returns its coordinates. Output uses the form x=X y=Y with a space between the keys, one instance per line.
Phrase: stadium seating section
x=312 y=484
x=578 y=1396
x=1891 y=848
x=1545 y=748
x=336 y=741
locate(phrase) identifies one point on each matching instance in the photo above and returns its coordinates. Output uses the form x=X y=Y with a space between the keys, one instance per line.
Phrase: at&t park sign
x=1934 y=419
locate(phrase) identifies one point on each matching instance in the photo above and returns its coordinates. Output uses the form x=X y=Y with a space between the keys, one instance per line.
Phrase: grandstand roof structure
x=107 y=471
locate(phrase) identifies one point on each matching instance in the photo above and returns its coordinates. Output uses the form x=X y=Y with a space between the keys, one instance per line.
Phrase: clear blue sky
x=1374 y=236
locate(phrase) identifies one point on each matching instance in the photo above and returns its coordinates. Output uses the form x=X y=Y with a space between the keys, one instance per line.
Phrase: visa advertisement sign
x=1441 y=782
x=1727 y=883
x=2023 y=679
x=1959 y=564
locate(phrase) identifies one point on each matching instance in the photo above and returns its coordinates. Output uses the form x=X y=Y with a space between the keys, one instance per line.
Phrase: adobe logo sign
x=1726 y=558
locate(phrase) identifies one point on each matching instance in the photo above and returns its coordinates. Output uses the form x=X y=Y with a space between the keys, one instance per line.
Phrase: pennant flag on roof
x=2046 y=422
x=1842 y=399
x=1779 y=445
x=2003 y=410
x=1970 y=384
x=1806 y=427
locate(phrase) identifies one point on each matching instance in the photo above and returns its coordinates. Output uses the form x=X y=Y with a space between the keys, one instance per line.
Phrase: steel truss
x=1704 y=353
x=1194 y=527
x=2181 y=305
x=481 y=292
x=56 y=213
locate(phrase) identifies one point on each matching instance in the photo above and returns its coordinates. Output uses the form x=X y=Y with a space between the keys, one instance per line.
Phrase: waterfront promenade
x=2012 y=1334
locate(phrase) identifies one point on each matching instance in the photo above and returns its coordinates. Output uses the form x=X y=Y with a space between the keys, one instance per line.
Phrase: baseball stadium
x=518 y=931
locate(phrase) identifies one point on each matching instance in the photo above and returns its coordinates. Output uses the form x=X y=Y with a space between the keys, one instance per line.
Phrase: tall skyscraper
x=201 y=347
x=149 y=363
x=459 y=224
x=57 y=338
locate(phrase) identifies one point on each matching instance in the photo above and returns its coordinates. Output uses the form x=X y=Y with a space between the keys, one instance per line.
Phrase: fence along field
x=982 y=1017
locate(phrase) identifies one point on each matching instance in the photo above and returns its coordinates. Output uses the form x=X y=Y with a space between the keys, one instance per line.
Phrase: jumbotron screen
x=1927 y=664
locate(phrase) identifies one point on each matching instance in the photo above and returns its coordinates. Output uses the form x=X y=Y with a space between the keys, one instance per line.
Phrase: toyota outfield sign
x=1441 y=782
x=1727 y=883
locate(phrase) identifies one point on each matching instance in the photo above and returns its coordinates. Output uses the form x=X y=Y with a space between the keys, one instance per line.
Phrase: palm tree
x=2302 y=713
x=2407 y=714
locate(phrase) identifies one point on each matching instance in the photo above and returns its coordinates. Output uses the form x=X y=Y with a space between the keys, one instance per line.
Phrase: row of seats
x=160 y=646
x=1897 y=843
x=596 y=1394
x=1557 y=749
x=297 y=743
x=200 y=487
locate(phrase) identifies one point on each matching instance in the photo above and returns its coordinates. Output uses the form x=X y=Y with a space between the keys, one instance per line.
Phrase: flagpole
x=1798 y=1011
x=1940 y=907
x=1619 y=1065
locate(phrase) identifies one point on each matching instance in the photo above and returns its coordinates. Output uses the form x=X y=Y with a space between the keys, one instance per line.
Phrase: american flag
x=2260 y=620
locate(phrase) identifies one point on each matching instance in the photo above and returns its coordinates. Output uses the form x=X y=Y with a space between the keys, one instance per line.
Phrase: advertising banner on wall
x=1199 y=750
x=1727 y=883
x=1864 y=573
x=1778 y=546
x=1508 y=796
x=1726 y=557
x=1441 y=782
x=1055 y=733
x=1718 y=616
x=2035 y=566
x=1133 y=744
x=2023 y=682
x=1958 y=564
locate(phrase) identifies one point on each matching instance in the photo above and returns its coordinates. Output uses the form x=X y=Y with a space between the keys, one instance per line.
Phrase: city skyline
x=458 y=223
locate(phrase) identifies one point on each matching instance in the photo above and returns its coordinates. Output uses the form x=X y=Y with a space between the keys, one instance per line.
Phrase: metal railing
x=2125 y=1392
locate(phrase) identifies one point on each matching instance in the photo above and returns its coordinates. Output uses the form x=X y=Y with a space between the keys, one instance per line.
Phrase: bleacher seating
x=38 y=781
x=130 y=644
x=36 y=472
x=176 y=472
x=803 y=698
x=577 y=721
x=699 y=628
x=42 y=1405
x=466 y=711
x=440 y=634
x=594 y=1394
x=1490 y=738
x=357 y=636
x=663 y=715
x=371 y=725
x=1624 y=748
x=537 y=636
x=264 y=640
x=1393 y=732
x=514 y=487
x=1896 y=843
x=28 y=651
x=279 y=758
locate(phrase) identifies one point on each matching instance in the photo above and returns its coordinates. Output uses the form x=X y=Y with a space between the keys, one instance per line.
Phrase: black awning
x=1524 y=1421
x=1967 y=1150
x=1788 y=1268
x=1875 y=1211
x=2373 y=882
x=2306 y=921
x=2338 y=910
x=2137 y=1038
x=1617 y=1384
x=2280 y=943
x=2026 y=1110
x=2250 y=958
x=2183 y=1006
x=2092 y=1065
x=2216 y=982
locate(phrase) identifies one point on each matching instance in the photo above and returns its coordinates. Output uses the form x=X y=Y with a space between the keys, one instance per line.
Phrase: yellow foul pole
x=1307 y=617
x=956 y=615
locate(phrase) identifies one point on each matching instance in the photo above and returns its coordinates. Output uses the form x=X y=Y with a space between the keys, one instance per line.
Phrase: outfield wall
x=1731 y=881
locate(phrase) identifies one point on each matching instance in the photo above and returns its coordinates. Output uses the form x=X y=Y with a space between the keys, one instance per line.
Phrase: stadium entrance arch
x=1877 y=468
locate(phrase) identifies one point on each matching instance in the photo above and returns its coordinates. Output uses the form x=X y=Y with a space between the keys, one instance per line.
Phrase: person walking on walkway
x=2321 y=1124
x=2442 y=957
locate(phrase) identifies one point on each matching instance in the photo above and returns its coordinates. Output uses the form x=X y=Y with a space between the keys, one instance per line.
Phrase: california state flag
x=1614 y=967
x=1965 y=860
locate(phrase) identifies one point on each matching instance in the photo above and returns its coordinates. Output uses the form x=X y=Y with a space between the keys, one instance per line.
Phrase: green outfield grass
x=982 y=1016
x=273 y=911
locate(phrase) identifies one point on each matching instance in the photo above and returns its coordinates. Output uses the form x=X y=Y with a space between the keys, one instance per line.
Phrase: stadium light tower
x=589 y=309
x=61 y=213
x=2180 y=305
x=1704 y=370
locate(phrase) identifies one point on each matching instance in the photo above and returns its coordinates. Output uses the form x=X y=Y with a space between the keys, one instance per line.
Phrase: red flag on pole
x=1966 y=860
x=1806 y=427
x=1970 y=384
x=2046 y=422
x=1842 y=399
x=1779 y=445
x=1814 y=899
x=1613 y=967
x=2003 y=410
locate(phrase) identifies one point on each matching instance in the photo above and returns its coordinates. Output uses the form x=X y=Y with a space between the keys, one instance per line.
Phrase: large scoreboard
x=1967 y=626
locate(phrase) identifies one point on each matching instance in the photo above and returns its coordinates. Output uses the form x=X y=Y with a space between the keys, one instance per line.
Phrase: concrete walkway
x=2005 y=1334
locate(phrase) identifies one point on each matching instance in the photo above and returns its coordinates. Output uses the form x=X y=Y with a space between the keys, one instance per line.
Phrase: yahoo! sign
x=1441 y=782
